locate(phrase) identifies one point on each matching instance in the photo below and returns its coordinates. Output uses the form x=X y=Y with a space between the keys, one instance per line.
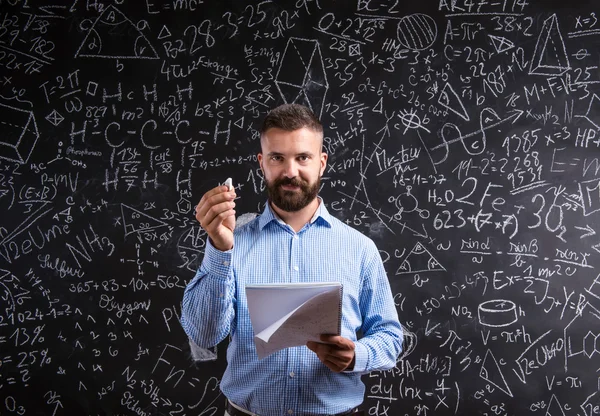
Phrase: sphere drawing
x=417 y=31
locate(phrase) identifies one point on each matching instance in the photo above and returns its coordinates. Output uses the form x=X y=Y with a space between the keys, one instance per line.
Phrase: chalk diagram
x=488 y=119
x=7 y=295
x=419 y=260
x=497 y=313
x=135 y=221
x=550 y=57
x=407 y=203
x=411 y=120
x=417 y=32
x=588 y=190
x=450 y=100
x=579 y=339
x=501 y=44
x=101 y=40
x=19 y=133
x=55 y=118
x=490 y=371
x=308 y=86
x=592 y=110
x=554 y=407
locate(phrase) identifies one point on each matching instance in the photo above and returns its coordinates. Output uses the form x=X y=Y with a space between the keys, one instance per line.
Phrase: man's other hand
x=335 y=351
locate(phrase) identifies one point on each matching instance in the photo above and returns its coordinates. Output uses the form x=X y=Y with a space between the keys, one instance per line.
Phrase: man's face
x=293 y=164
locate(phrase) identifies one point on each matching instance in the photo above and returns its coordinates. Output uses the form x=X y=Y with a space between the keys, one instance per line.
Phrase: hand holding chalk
x=229 y=184
x=216 y=215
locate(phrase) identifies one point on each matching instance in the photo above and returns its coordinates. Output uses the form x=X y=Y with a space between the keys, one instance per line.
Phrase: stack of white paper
x=290 y=314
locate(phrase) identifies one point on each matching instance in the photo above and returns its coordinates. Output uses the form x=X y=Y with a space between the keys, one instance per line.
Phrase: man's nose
x=291 y=169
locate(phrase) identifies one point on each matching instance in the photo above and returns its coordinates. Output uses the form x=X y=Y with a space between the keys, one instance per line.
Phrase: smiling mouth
x=290 y=187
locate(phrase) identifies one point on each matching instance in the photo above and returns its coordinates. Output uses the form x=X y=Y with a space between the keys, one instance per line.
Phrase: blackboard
x=463 y=138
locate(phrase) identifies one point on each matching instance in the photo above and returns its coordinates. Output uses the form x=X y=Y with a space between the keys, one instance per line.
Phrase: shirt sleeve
x=381 y=343
x=208 y=307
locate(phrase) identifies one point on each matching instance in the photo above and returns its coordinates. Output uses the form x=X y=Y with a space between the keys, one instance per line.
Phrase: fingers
x=339 y=341
x=337 y=355
x=211 y=216
x=216 y=215
x=216 y=203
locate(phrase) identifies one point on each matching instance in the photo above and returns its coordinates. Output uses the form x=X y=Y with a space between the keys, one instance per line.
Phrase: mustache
x=289 y=181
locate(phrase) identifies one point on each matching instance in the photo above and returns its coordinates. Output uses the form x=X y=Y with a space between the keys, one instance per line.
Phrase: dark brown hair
x=291 y=117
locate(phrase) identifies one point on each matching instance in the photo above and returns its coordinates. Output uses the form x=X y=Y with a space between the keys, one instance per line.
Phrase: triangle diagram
x=501 y=44
x=450 y=100
x=114 y=36
x=135 y=221
x=550 y=57
x=419 y=260
x=554 y=408
x=490 y=372
x=164 y=33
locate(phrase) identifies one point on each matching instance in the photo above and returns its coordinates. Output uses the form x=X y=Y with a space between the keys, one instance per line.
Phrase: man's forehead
x=273 y=139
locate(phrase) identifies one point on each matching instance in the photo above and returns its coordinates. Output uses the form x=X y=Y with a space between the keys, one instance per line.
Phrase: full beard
x=292 y=201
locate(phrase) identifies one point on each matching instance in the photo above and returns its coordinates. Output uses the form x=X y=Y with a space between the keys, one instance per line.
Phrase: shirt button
x=296 y=268
x=225 y=263
x=292 y=374
x=295 y=236
x=220 y=295
x=290 y=412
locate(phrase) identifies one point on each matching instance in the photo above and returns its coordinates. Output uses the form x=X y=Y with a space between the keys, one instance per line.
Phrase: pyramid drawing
x=450 y=100
x=490 y=372
x=554 y=408
x=501 y=44
x=135 y=221
x=550 y=57
x=114 y=36
x=419 y=260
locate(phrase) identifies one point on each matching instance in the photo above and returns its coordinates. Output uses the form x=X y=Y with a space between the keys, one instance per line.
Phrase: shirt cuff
x=216 y=262
x=361 y=358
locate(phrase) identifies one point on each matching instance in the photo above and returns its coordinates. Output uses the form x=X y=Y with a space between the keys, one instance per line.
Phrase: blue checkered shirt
x=267 y=251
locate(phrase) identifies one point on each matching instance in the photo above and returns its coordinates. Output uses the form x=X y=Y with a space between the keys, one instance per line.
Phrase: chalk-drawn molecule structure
x=497 y=313
x=110 y=37
x=301 y=75
x=490 y=371
x=19 y=133
x=550 y=57
x=419 y=260
x=417 y=31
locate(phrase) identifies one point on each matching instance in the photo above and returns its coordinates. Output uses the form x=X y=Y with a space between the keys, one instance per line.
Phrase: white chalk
x=229 y=184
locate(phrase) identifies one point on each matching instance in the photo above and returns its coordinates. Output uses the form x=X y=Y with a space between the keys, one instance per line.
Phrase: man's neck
x=297 y=219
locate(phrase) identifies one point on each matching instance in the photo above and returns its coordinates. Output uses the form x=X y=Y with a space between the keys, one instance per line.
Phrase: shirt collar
x=321 y=216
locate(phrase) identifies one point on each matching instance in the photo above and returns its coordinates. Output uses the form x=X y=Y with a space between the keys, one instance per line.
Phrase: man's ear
x=323 y=162
x=260 y=161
